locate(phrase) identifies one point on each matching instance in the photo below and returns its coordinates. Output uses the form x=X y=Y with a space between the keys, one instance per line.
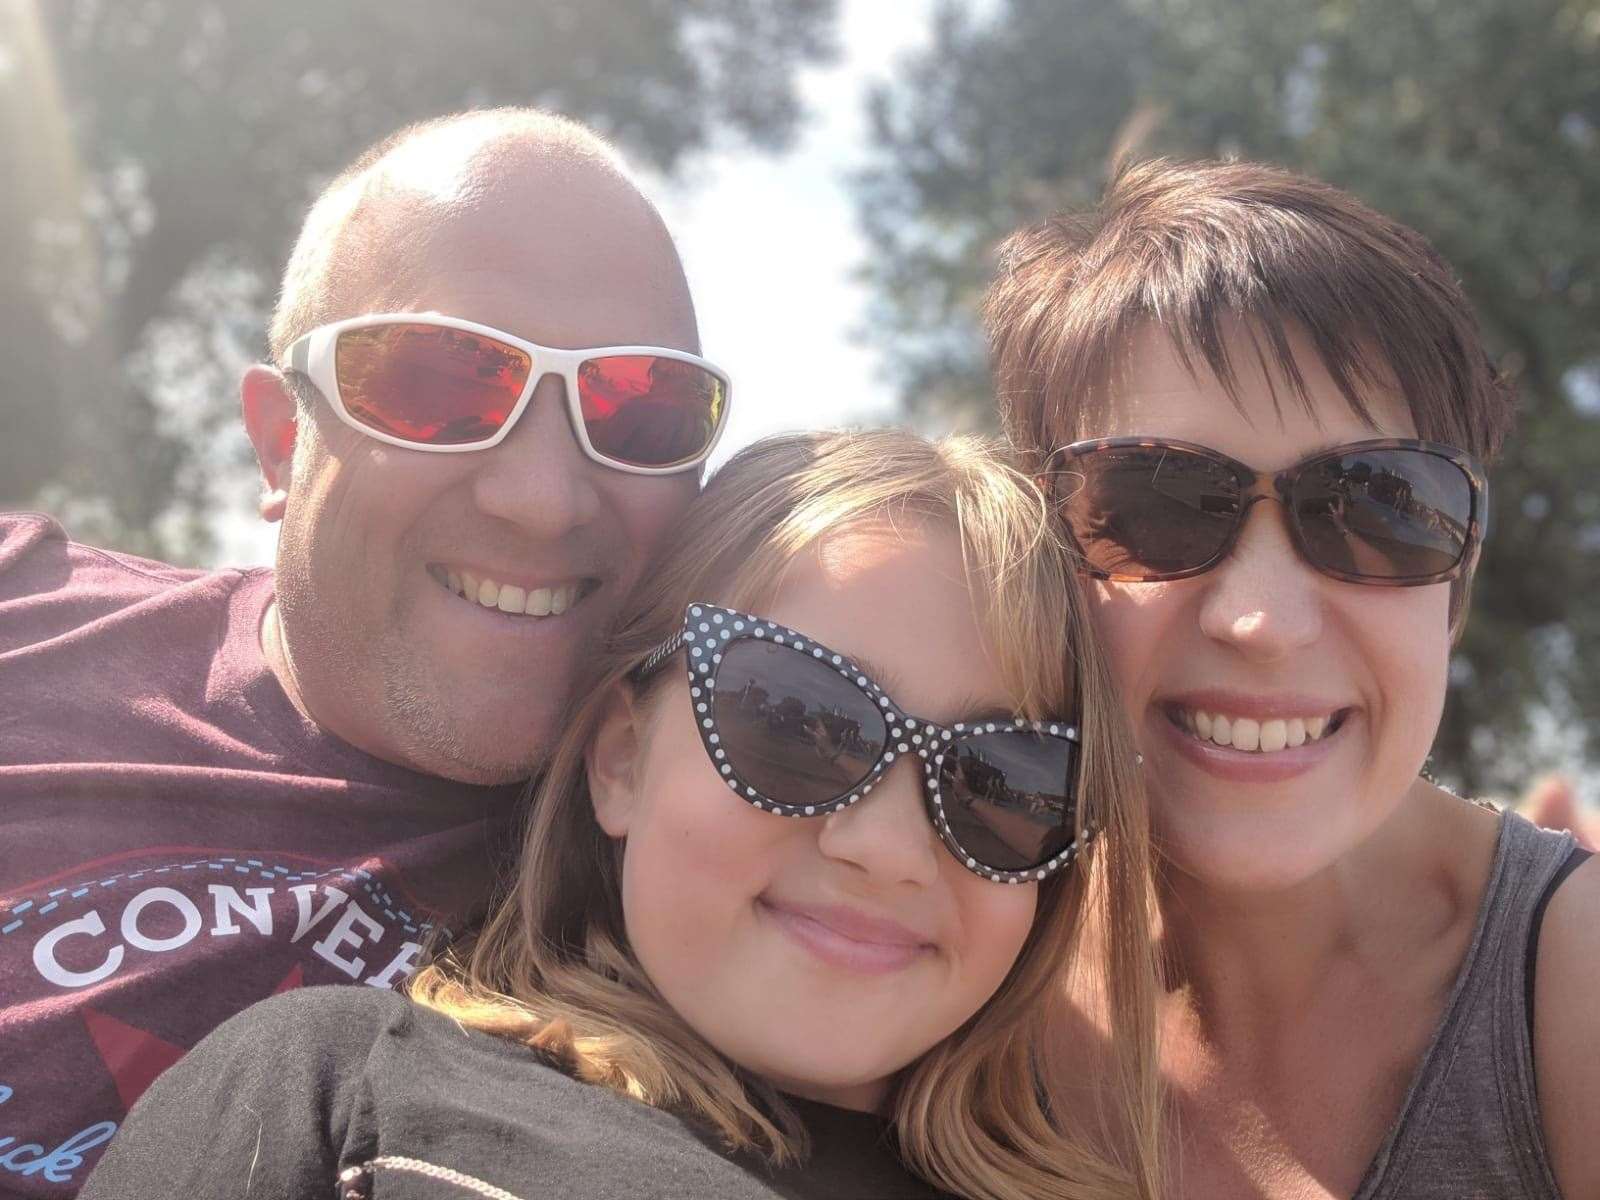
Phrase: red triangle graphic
x=295 y=978
x=133 y=1056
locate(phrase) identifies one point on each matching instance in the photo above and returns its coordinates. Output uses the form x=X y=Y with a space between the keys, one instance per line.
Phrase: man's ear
x=613 y=761
x=270 y=414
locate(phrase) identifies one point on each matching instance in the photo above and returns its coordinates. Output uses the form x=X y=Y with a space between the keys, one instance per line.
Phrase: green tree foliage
x=163 y=152
x=1476 y=121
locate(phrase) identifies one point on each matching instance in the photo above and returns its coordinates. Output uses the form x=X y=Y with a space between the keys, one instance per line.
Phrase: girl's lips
x=1244 y=766
x=846 y=939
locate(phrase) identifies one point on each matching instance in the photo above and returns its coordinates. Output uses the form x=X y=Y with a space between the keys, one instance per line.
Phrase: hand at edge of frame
x=1551 y=801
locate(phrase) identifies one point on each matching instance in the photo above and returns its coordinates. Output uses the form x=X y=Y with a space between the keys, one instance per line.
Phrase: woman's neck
x=1242 y=961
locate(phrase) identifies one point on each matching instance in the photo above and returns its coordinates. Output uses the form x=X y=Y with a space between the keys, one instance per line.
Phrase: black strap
x=1574 y=860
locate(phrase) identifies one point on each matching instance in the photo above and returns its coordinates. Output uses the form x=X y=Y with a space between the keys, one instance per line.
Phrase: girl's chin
x=860 y=1097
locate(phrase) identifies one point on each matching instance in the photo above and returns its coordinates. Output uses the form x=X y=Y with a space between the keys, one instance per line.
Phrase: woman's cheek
x=1132 y=622
x=1402 y=636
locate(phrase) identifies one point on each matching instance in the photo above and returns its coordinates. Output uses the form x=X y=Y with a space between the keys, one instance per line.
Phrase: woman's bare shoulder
x=1567 y=1030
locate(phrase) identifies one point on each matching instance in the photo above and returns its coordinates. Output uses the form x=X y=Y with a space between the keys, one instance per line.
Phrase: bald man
x=219 y=785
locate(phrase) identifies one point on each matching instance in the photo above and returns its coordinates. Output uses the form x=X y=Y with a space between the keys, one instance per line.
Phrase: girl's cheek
x=996 y=926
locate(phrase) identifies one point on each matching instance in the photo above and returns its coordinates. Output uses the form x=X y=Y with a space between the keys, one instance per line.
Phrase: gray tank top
x=1470 y=1127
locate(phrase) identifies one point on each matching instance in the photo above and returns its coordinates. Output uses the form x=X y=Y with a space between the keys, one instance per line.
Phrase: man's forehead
x=456 y=184
x=568 y=233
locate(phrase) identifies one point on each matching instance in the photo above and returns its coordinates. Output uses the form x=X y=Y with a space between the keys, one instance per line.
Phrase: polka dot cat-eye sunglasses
x=797 y=729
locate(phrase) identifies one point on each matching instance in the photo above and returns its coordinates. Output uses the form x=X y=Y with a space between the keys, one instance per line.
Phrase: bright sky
x=770 y=243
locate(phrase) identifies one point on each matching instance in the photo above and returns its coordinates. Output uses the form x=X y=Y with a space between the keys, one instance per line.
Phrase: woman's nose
x=1264 y=599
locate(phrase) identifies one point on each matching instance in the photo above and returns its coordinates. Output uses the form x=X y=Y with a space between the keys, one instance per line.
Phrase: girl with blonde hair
x=796 y=892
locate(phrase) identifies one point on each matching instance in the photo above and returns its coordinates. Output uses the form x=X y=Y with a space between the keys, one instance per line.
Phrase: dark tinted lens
x=429 y=384
x=1384 y=514
x=1139 y=512
x=794 y=728
x=1007 y=797
x=649 y=411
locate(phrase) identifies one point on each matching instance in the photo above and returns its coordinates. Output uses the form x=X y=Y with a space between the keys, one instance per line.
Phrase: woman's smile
x=1236 y=764
x=1251 y=737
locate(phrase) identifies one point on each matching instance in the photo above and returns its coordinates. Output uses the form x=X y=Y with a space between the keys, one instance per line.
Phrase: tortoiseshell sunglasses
x=1393 y=512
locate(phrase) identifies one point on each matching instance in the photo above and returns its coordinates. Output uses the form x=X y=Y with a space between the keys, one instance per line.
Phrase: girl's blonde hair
x=552 y=966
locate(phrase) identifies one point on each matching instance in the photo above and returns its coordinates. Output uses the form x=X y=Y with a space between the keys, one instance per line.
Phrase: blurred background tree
x=161 y=155
x=1475 y=121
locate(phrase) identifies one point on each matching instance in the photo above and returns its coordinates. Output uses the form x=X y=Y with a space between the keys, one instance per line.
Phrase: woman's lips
x=845 y=938
x=1243 y=766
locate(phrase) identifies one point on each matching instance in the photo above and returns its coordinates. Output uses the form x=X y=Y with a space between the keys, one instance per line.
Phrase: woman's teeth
x=507 y=597
x=1246 y=733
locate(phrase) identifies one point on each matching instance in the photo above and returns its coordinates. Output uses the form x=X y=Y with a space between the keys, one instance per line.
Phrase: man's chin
x=433 y=748
x=476 y=743
x=486 y=774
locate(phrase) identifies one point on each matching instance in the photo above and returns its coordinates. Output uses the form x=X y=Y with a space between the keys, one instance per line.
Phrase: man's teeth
x=508 y=597
x=1246 y=733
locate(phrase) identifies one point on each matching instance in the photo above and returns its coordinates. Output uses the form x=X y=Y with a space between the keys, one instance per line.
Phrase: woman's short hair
x=1194 y=247
x=553 y=967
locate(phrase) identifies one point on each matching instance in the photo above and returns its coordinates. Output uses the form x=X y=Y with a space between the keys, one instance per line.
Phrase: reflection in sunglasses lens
x=647 y=410
x=1007 y=797
x=1135 y=510
x=427 y=383
x=1384 y=514
x=793 y=728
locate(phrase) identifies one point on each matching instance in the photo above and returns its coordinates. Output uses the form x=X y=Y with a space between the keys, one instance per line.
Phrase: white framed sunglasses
x=430 y=382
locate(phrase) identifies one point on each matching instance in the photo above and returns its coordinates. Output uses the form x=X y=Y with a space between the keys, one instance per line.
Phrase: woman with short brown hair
x=1264 y=412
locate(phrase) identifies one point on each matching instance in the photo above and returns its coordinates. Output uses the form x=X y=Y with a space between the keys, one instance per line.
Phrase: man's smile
x=549 y=600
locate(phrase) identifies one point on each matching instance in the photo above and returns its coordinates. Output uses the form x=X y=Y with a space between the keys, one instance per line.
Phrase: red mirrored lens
x=794 y=729
x=428 y=383
x=646 y=410
x=1008 y=797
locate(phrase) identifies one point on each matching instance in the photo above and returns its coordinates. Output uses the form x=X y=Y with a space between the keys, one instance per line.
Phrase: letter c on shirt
x=44 y=953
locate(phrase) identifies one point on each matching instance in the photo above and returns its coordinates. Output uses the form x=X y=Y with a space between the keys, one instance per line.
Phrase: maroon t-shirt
x=178 y=842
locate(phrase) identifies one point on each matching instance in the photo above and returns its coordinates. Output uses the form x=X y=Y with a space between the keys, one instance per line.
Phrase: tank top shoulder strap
x=1470 y=1122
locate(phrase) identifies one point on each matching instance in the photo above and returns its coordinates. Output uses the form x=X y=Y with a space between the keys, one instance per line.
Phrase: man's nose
x=539 y=478
x=886 y=834
x=1263 y=599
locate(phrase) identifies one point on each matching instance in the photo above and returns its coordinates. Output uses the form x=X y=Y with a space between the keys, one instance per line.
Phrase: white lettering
x=302 y=898
x=399 y=967
x=44 y=953
x=349 y=929
x=345 y=932
x=228 y=901
x=161 y=895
